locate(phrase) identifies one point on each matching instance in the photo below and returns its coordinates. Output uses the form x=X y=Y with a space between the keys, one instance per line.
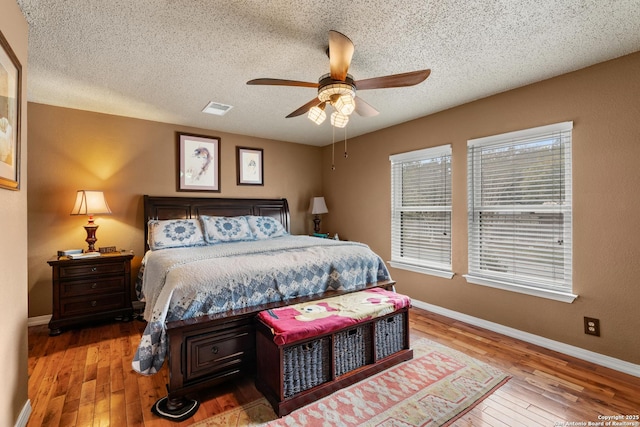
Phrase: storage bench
x=307 y=351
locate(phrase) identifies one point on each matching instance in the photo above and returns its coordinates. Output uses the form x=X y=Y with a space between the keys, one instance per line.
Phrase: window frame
x=560 y=290
x=424 y=266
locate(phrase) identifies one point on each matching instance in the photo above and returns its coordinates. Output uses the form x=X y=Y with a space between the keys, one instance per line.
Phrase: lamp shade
x=317 y=114
x=318 y=206
x=339 y=120
x=90 y=203
x=345 y=104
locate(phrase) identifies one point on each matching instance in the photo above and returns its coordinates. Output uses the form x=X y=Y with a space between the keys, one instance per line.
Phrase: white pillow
x=174 y=233
x=226 y=229
x=265 y=227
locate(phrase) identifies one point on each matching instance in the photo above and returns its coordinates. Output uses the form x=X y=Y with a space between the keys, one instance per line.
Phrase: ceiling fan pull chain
x=345 y=143
x=333 y=149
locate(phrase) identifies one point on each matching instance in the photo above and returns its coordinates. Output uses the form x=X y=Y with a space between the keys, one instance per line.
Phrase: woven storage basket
x=389 y=335
x=352 y=349
x=306 y=365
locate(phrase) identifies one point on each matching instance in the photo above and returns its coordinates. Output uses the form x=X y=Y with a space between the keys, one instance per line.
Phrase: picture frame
x=250 y=166
x=10 y=116
x=198 y=163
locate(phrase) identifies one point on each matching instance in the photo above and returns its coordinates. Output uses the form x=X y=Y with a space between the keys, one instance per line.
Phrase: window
x=519 y=199
x=421 y=211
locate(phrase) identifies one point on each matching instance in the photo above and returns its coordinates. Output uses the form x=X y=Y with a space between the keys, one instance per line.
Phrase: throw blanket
x=182 y=283
x=309 y=319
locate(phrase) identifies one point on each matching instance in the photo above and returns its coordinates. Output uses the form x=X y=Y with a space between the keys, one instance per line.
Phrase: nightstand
x=90 y=289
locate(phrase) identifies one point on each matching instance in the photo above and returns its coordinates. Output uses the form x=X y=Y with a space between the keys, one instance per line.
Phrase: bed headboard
x=160 y=207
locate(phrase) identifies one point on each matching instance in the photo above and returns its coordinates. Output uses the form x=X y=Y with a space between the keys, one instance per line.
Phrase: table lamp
x=90 y=203
x=317 y=207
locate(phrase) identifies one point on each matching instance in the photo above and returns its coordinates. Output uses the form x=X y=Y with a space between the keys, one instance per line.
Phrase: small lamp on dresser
x=317 y=207
x=90 y=203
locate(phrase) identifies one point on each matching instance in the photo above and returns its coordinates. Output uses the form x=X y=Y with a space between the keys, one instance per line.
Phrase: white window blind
x=519 y=199
x=421 y=210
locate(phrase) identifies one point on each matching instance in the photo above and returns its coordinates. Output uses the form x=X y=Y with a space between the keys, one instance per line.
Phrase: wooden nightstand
x=90 y=289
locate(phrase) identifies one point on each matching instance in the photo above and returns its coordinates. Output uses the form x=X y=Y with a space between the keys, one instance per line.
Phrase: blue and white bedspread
x=182 y=283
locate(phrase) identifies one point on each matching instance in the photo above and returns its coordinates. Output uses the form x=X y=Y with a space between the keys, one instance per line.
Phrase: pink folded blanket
x=299 y=321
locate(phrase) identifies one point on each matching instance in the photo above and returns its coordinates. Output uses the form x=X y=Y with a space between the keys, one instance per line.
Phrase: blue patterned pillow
x=265 y=227
x=226 y=229
x=175 y=233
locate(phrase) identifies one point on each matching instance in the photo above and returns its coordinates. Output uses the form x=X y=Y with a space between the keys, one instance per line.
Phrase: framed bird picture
x=198 y=163
x=250 y=166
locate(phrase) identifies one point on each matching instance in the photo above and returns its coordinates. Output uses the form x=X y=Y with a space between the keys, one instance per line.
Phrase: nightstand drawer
x=73 y=288
x=82 y=305
x=68 y=271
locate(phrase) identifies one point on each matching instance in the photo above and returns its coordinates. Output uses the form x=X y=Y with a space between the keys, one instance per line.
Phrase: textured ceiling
x=164 y=60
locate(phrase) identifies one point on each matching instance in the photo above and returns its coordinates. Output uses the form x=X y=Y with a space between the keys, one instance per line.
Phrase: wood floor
x=84 y=378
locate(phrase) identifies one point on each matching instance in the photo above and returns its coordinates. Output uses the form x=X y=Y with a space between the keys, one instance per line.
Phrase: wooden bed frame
x=207 y=350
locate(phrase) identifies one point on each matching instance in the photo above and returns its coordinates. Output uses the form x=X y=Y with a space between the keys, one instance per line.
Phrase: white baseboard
x=580 y=353
x=24 y=415
x=40 y=320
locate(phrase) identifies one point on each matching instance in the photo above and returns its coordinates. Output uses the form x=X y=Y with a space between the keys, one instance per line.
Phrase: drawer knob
x=214 y=350
x=94 y=285
x=94 y=303
x=94 y=268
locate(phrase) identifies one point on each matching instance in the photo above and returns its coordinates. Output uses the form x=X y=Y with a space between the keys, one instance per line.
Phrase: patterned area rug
x=433 y=389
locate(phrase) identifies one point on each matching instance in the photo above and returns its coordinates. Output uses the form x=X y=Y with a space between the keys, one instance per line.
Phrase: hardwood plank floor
x=84 y=378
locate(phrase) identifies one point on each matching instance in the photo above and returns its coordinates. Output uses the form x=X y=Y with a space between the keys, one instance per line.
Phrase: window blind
x=421 y=209
x=520 y=215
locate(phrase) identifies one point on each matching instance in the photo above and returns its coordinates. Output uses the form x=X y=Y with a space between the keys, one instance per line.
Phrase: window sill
x=421 y=269
x=527 y=290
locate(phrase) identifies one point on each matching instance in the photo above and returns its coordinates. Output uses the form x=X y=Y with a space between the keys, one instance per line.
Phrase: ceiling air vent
x=217 y=108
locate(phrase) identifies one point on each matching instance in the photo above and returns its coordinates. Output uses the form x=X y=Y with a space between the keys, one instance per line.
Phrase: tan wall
x=126 y=158
x=71 y=150
x=13 y=247
x=603 y=101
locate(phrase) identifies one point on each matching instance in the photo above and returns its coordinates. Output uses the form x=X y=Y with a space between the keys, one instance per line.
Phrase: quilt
x=182 y=283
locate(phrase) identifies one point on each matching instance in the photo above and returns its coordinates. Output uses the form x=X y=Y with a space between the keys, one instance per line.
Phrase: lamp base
x=316 y=224
x=91 y=236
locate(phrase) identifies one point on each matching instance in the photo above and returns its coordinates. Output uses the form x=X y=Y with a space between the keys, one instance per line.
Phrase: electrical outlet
x=592 y=326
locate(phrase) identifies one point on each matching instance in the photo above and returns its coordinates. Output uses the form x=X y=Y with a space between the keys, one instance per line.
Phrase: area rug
x=435 y=388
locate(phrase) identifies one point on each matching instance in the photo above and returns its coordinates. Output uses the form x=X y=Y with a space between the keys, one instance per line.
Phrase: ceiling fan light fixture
x=339 y=120
x=316 y=114
x=341 y=96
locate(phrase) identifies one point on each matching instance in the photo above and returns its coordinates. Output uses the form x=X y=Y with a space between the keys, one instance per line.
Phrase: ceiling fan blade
x=306 y=107
x=281 y=82
x=340 y=53
x=364 y=109
x=395 y=80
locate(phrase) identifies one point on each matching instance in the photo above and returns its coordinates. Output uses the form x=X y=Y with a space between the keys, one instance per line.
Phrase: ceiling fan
x=338 y=88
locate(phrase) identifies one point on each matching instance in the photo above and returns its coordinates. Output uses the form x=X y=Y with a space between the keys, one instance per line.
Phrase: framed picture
x=198 y=163
x=250 y=166
x=10 y=97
